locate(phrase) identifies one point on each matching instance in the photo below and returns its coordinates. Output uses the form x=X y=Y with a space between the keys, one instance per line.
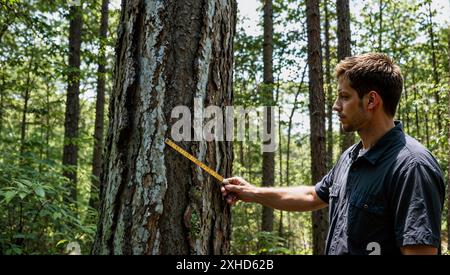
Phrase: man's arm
x=300 y=198
x=419 y=250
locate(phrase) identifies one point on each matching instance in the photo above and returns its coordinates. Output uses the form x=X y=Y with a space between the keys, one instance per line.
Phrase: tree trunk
x=416 y=110
x=317 y=119
x=291 y=116
x=407 y=129
x=99 y=108
x=280 y=152
x=329 y=98
x=344 y=50
x=434 y=66
x=26 y=98
x=268 y=161
x=380 y=26
x=155 y=200
x=70 y=151
x=448 y=122
x=2 y=90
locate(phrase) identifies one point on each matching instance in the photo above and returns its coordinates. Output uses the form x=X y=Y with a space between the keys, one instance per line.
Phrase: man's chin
x=347 y=128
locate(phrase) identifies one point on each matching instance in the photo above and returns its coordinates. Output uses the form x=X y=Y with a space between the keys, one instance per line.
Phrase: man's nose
x=336 y=106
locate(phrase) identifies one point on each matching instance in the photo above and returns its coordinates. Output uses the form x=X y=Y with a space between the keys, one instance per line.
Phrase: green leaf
x=9 y=195
x=40 y=191
x=22 y=195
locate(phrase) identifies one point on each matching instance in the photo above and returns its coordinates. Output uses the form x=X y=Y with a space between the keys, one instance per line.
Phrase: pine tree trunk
x=70 y=151
x=344 y=50
x=317 y=119
x=268 y=161
x=99 y=108
x=329 y=98
x=155 y=200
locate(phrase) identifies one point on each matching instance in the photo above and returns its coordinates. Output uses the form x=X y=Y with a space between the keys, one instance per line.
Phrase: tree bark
x=344 y=50
x=317 y=119
x=70 y=151
x=155 y=200
x=99 y=108
x=329 y=98
x=268 y=161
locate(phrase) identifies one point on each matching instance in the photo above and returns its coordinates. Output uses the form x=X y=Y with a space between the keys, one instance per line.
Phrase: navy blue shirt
x=389 y=197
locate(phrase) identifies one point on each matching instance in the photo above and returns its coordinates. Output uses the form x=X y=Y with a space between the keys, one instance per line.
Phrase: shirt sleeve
x=418 y=202
x=323 y=186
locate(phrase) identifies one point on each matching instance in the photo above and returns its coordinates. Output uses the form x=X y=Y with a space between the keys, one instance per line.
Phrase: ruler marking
x=193 y=159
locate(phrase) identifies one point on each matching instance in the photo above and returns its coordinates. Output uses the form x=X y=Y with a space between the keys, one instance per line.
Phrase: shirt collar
x=381 y=146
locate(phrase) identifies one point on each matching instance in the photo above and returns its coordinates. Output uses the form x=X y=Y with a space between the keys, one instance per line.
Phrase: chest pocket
x=367 y=219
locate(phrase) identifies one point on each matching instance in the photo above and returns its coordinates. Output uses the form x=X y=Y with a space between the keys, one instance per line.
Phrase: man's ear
x=374 y=100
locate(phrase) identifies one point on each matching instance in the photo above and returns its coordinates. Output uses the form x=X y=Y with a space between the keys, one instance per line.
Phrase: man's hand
x=236 y=188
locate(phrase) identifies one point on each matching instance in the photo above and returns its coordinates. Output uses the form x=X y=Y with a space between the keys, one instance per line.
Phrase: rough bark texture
x=344 y=50
x=268 y=161
x=317 y=119
x=156 y=201
x=99 y=108
x=70 y=151
x=329 y=90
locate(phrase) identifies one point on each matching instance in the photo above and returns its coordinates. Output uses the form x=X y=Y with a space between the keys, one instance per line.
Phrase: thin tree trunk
x=26 y=98
x=448 y=124
x=416 y=110
x=70 y=151
x=99 y=108
x=344 y=50
x=434 y=68
x=407 y=105
x=2 y=90
x=47 y=123
x=291 y=116
x=329 y=98
x=280 y=152
x=317 y=119
x=268 y=161
x=380 y=30
x=155 y=200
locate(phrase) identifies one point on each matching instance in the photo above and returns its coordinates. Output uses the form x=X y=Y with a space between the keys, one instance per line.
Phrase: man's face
x=350 y=107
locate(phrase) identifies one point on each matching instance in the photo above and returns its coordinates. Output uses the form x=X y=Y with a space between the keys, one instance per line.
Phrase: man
x=386 y=193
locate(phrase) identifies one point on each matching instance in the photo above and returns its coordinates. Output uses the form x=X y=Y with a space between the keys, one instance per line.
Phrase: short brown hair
x=374 y=72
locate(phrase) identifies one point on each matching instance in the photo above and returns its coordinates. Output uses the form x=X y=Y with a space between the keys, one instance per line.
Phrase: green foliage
x=35 y=215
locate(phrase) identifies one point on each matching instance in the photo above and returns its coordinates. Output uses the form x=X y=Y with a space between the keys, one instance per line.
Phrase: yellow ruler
x=193 y=159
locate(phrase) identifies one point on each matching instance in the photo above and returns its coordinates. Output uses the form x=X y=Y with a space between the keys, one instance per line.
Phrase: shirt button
x=366 y=206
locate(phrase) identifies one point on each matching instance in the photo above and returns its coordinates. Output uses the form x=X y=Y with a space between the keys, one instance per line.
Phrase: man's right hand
x=236 y=188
